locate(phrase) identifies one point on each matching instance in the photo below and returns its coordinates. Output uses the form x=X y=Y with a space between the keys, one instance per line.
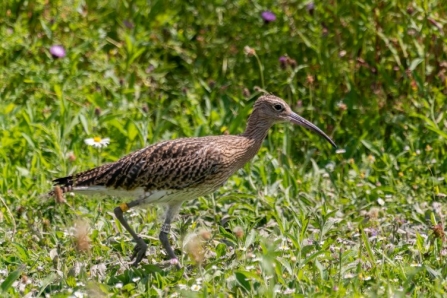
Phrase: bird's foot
x=171 y=262
x=138 y=252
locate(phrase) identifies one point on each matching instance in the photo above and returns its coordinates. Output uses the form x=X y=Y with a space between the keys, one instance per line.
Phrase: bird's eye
x=278 y=107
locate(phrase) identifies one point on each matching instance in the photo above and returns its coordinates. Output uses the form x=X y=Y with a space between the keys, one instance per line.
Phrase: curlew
x=171 y=172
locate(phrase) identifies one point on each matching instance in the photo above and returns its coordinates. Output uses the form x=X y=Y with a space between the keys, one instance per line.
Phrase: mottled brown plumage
x=171 y=172
x=177 y=164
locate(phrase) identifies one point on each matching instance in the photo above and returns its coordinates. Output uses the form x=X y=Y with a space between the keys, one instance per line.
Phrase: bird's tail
x=63 y=185
x=87 y=178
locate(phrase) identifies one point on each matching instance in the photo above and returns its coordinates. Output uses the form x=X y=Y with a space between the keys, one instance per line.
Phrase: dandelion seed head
x=239 y=232
x=58 y=195
x=80 y=236
x=249 y=51
x=71 y=156
x=205 y=234
x=194 y=248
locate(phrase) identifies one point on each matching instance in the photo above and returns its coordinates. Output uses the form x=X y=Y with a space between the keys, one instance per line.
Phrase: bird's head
x=274 y=109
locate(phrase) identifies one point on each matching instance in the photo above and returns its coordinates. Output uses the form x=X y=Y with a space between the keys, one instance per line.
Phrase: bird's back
x=201 y=163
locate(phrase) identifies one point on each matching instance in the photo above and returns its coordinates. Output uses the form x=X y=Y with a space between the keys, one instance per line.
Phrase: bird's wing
x=167 y=165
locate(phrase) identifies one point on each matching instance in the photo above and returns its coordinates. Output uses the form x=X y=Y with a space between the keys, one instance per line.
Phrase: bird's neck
x=257 y=127
x=255 y=132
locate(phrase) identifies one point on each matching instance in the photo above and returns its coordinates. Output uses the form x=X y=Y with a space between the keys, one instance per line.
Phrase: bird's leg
x=165 y=229
x=140 y=248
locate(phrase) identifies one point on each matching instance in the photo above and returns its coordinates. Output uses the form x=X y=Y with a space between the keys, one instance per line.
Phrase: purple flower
x=57 y=51
x=128 y=24
x=268 y=16
x=283 y=61
x=310 y=7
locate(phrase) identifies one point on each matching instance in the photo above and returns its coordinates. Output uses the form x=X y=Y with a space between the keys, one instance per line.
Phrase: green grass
x=300 y=220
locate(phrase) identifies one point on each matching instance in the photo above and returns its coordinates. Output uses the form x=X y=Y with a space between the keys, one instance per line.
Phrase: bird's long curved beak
x=297 y=119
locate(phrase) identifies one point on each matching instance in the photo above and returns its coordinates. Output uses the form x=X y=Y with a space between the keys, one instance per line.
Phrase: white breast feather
x=162 y=196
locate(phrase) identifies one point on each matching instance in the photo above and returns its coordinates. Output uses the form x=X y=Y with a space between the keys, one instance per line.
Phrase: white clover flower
x=330 y=166
x=348 y=275
x=182 y=286
x=135 y=279
x=119 y=285
x=97 y=142
x=196 y=288
x=288 y=291
x=283 y=247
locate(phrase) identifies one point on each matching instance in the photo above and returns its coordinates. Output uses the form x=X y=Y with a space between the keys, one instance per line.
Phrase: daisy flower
x=97 y=142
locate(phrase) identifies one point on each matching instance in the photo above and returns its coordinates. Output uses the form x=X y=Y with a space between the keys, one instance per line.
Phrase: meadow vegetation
x=302 y=219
